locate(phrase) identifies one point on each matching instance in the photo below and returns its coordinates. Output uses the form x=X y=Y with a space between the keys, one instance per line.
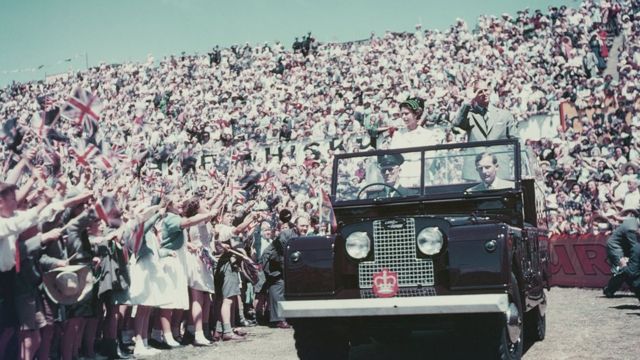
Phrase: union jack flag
x=108 y=211
x=268 y=180
x=85 y=155
x=90 y=128
x=82 y=107
x=150 y=178
x=238 y=195
x=118 y=152
x=265 y=179
x=46 y=102
x=41 y=121
x=113 y=156
x=163 y=188
x=104 y=162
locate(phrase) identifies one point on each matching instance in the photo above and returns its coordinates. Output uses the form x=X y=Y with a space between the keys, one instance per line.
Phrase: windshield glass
x=397 y=174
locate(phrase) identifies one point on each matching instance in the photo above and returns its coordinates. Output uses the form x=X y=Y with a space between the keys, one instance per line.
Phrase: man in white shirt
x=487 y=167
x=632 y=198
x=12 y=223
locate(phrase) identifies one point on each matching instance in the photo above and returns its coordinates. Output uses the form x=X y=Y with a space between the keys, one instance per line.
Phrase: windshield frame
x=423 y=195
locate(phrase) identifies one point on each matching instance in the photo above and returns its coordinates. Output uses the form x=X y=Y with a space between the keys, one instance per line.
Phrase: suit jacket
x=272 y=258
x=78 y=244
x=622 y=240
x=497 y=184
x=495 y=124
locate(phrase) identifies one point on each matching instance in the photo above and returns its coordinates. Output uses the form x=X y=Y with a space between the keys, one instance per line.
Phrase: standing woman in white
x=411 y=111
x=201 y=268
x=174 y=259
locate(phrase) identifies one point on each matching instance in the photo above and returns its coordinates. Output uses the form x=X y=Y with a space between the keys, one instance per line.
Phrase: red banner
x=579 y=261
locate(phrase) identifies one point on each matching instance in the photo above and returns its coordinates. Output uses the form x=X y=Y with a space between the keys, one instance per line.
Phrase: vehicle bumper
x=435 y=305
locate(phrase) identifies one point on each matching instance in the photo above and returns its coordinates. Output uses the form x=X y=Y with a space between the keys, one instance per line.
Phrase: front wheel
x=536 y=324
x=317 y=339
x=509 y=340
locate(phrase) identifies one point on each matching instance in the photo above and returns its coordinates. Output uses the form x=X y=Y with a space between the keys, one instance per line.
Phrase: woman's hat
x=68 y=284
x=414 y=104
x=625 y=167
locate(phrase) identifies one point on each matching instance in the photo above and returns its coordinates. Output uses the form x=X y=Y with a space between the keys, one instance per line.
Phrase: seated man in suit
x=390 y=168
x=487 y=167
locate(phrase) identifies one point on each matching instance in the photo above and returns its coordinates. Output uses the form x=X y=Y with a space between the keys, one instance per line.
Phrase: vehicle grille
x=404 y=292
x=395 y=249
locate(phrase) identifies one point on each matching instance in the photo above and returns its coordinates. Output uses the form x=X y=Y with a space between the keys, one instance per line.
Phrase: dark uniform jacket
x=622 y=240
x=78 y=245
x=272 y=259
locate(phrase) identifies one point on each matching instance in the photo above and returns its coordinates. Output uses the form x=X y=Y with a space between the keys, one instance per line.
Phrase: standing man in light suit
x=483 y=122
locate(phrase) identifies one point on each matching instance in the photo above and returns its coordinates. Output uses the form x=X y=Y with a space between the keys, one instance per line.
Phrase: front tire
x=535 y=324
x=317 y=339
x=510 y=339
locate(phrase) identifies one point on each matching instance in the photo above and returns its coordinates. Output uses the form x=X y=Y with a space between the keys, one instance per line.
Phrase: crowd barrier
x=579 y=261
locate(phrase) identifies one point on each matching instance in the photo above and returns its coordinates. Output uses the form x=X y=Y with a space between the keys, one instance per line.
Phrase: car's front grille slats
x=402 y=292
x=395 y=250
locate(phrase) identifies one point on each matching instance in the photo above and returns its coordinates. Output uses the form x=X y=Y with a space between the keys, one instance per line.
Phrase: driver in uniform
x=390 y=169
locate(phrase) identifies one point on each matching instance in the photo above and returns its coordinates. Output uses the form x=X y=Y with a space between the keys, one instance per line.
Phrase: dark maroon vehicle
x=447 y=237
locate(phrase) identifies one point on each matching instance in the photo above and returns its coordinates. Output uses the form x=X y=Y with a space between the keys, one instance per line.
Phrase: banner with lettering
x=579 y=261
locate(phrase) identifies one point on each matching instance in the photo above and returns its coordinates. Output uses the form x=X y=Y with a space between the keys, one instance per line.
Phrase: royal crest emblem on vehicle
x=385 y=283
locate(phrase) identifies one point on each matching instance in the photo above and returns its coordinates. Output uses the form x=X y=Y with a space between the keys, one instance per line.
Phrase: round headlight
x=358 y=245
x=430 y=241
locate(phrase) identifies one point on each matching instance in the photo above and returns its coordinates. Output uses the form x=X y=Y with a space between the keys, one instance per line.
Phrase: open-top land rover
x=449 y=237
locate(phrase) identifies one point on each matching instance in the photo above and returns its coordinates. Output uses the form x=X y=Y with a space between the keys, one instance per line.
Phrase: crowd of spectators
x=231 y=102
x=262 y=123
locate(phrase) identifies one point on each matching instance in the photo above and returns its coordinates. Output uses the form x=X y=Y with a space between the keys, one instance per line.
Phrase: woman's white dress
x=148 y=282
x=200 y=275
